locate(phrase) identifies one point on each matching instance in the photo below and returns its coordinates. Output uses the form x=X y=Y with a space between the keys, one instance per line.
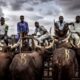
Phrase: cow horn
x=51 y=45
x=47 y=47
x=1 y=45
x=66 y=38
x=16 y=45
x=20 y=43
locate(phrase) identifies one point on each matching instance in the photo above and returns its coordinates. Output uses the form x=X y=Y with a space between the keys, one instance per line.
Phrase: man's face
x=37 y=24
x=22 y=18
x=61 y=19
x=78 y=19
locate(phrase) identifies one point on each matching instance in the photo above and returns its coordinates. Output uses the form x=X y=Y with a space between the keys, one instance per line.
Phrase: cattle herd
x=27 y=64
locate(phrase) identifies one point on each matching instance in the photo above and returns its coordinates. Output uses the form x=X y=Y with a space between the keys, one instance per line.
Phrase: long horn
x=20 y=41
x=47 y=47
x=51 y=45
x=1 y=45
x=66 y=39
x=16 y=45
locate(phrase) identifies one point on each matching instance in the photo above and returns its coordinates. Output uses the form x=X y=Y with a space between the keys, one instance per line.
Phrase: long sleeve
x=18 y=28
x=27 y=28
x=6 y=29
x=72 y=28
x=36 y=31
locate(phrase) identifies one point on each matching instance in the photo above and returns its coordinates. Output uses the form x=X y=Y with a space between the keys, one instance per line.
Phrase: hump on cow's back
x=62 y=51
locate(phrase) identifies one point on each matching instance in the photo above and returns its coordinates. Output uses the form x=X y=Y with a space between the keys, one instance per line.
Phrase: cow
x=65 y=66
x=28 y=65
x=6 y=56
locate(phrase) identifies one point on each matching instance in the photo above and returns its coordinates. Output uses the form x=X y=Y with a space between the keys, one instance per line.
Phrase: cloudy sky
x=44 y=11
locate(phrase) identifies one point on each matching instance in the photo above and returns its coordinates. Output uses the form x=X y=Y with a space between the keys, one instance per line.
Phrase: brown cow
x=5 y=60
x=65 y=65
x=25 y=65
x=28 y=66
x=6 y=56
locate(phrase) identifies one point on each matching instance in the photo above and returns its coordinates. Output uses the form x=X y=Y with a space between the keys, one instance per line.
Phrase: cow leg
x=55 y=72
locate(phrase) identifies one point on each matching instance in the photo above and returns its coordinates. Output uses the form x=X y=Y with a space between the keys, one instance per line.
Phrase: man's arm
x=66 y=28
x=56 y=27
x=6 y=30
x=35 y=33
x=27 y=28
x=18 y=28
x=72 y=27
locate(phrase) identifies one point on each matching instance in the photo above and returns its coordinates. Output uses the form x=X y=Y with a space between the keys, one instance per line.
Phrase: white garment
x=73 y=30
x=2 y=29
x=40 y=39
x=61 y=26
x=52 y=31
x=40 y=30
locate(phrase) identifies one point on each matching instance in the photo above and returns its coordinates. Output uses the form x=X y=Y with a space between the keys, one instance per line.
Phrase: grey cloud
x=27 y=7
x=69 y=4
x=30 y=9
x=17 y=4
x=69 y=7
x=1 y=12
x=2 y=3
x=35 y=17
x=44 y=0
x=36 y=2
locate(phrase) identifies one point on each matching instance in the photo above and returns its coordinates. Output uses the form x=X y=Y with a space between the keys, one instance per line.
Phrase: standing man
x=3 y=30
x=61 y=28
x=22 y=28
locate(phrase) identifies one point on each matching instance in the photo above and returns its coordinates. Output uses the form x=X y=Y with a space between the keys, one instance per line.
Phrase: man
x=22 y=26
x=61 y=27
x=3 y=30
x=75 y=30
x=41 y=33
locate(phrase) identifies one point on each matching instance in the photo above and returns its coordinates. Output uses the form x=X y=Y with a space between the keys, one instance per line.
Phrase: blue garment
x=17 y=37
x=22 y=27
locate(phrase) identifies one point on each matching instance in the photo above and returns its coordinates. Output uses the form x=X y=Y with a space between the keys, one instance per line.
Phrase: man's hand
x=78 y=34
x=71 y=24
x=34 y=34
x=39 y=35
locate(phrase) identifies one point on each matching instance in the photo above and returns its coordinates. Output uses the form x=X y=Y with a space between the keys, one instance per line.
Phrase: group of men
x=61 y=28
